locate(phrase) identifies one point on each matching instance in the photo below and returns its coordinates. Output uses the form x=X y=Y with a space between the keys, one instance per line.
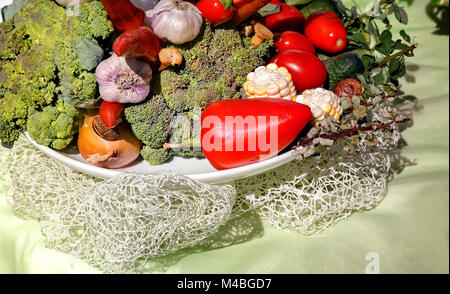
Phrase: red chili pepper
x=110 y=113
x=244 y=131
x=288 y=19
x=123 y=14
x=139 y=42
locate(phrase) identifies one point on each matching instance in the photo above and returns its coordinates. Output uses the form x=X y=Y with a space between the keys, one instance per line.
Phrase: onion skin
x=126 y=149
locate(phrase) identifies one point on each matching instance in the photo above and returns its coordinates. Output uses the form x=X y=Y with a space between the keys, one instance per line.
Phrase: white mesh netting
x=126 y=223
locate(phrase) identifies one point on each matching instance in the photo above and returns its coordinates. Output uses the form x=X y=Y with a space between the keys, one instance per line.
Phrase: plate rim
x=214 y=177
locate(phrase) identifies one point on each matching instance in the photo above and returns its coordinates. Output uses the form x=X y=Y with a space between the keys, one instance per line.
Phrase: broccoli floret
x=155 y=156
x=54 y=126
x=38 y=59
x=13 y=41
x=13 y=114
x=150 y=121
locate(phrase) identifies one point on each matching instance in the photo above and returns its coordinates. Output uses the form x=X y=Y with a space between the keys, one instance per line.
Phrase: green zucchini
x=343 y=66
x=318 y=5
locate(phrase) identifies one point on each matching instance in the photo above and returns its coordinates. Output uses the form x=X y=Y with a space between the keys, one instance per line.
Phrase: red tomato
x=307 y=71
x=239 y=132
x=288 y=19
x=294 y=41
x=326 y=31
x=216 y=11
x=110 y=113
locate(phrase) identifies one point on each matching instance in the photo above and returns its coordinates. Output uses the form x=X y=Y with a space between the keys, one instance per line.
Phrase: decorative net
x=133 y=223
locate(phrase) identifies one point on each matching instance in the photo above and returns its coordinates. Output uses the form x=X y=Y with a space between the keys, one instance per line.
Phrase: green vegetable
x=54 y=126
x=39 y=60
x=12 y=9
x=343 y=66
x=318 y=5
x=155 y=156
x=150 y=121
x=89 y=54
x=215 y=68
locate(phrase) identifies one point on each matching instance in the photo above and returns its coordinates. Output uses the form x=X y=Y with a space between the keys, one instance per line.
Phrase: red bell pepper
x=123 y=14
x=139 y=42
x=110 y=113
x=240 y=132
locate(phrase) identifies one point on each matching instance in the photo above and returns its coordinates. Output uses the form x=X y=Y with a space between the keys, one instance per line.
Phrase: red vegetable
x=216 y=11
x=123 y=14
x=139 y=42
x=262 y=127
x=239 y=3
x=110 y=113
x=246 y=10
x=326 y=31
x=288 y=19
x=307 y=71
x=294 y=41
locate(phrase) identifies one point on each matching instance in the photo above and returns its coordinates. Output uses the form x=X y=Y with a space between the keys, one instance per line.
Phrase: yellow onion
x=108 y=148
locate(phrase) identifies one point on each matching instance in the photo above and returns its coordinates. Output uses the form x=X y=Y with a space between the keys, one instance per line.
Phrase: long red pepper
x=123 y=14
x=138 y=42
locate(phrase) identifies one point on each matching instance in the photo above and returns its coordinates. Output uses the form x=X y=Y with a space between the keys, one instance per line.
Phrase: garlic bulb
x=175 y=21
x=123 y=79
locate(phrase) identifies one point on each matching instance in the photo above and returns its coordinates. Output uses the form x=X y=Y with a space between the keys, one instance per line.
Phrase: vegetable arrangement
x=133 y=77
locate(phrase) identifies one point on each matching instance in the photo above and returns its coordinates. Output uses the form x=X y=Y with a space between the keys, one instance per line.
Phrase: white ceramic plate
x=197 y=169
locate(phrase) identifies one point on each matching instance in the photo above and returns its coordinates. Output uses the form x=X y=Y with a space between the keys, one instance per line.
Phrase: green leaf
x=368 y=60
x=89 y=53
x=356 y=101
x=227 y=4
x=362 y=39
x=400 y=14
x=394 y=65
x=386 y=42
x=405 y=36
x=11 y=10
x=354 y=12
x=399 y=45
x=373 y=30
x=269 y=9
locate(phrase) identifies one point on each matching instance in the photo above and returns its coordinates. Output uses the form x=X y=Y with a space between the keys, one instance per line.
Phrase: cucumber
x=343 y=66
x=318 y=5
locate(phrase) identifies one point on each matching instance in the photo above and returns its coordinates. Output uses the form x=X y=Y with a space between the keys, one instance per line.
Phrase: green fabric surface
x=408 y=230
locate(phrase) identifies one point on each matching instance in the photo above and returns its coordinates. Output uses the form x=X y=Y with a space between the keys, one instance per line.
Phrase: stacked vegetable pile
x=325 y=65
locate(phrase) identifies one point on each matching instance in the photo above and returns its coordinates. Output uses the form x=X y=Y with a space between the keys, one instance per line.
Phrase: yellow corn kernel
x=326 y=107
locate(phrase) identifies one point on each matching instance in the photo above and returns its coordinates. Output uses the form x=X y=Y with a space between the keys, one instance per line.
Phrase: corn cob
x=323 y=104
x=270 y=81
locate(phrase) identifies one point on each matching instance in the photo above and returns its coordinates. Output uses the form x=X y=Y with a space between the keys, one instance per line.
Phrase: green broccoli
x=13 y=115
x=54 y=126
x=155 y=156
x=216 y=66
x=39 y=62
x=150 y=121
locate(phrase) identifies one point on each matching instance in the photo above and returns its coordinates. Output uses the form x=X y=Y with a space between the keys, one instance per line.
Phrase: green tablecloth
x=407 y=233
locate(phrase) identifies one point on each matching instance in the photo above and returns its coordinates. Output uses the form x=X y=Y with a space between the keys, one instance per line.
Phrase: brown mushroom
x=169 y=57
